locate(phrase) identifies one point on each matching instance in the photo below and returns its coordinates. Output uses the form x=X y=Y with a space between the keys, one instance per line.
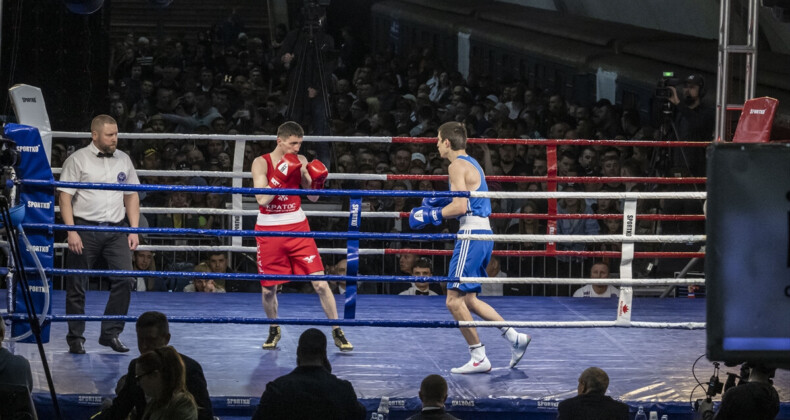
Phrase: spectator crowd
x=226 y=81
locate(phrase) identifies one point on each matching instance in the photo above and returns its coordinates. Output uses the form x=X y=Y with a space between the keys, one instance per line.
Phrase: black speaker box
x=747 y=267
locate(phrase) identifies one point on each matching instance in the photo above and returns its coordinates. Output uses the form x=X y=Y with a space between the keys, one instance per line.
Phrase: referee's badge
x=121 y=177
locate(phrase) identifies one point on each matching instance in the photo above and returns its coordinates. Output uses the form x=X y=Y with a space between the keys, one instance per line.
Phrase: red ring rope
x=559 y=142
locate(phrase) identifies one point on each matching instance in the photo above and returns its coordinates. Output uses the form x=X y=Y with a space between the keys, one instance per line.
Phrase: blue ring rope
x=251 y=233
x=239 y=276
x=340 y=322
x=240 y=190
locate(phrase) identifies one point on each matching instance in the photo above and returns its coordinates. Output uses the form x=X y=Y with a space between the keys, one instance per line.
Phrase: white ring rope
x=681 y=195
x=228 y=137
x=581 y=324
x=597 y=239
x=582 y=281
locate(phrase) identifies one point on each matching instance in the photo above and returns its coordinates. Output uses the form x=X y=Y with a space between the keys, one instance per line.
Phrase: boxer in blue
x=470 y=258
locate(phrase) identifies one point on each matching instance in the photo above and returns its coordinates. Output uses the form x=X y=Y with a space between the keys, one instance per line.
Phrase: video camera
x=313 y=11
x=705 y=406
x=666 y=81
x=715 y=386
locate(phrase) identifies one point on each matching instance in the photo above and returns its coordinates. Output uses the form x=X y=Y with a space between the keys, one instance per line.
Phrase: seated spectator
x=203 y=285
x=144 y=261
x=592 y=403
x=339 y=269
x=493 y=270
x=310 y=391
x=599 y=270
x=433 y=394
x=571 y=265
x=405 y=266
x=420 y=268
x=218 y=263
x=153 y=332
x=180 y=199
x=161 y=375
x=14 y=369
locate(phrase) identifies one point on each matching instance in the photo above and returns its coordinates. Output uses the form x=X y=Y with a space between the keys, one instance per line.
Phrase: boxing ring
x=646 y=345
x=650 y=367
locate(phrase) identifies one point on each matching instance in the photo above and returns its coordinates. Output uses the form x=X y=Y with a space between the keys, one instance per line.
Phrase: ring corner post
x=40 y=208
x=352 y=257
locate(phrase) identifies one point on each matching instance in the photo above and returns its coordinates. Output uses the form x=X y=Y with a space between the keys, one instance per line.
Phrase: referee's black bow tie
x=421 y=293
x=102 y=154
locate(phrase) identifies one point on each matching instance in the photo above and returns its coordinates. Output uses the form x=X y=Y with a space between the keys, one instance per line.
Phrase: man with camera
x=754 y=398
x=694 y=121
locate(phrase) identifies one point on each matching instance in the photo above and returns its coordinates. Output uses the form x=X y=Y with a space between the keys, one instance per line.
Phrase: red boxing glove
x=285 y=169
x=318 y=173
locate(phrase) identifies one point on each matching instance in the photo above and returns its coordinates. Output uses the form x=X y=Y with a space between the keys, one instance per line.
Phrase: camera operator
x=303 y=53
x=755 y=399
x=694 y=121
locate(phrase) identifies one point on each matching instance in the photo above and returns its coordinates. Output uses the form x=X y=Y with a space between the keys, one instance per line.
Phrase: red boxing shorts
x=281 y=255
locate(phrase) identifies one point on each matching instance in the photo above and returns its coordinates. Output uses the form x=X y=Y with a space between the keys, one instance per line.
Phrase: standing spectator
x=99 y=162
x=694 y=121
x=161 y=375
x=592 y=403
x=433 y=394
x=310 y=391
x=14 y=369
x=599 y=270
x=153 y=332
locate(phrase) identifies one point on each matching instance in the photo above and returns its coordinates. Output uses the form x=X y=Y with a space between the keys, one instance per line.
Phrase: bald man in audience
x=433 y=394
x=599 y=270
x=592 y=403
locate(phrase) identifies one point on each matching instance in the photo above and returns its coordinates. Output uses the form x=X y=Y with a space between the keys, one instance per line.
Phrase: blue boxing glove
x=424 y=216
x=436 y=201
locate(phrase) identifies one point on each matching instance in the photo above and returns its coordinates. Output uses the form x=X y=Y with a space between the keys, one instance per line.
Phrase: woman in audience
x=160 y=374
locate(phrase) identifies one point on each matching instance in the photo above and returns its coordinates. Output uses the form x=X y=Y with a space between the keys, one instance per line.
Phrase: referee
x=99 y=162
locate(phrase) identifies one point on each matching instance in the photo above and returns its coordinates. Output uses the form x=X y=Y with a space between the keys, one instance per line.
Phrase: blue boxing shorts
x=470 y=259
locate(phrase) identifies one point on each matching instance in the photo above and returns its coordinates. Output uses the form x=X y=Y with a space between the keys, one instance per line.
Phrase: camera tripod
x=308 y=47
x=17 y=267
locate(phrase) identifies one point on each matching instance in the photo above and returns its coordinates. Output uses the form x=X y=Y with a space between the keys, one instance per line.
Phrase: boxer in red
x=285 y=168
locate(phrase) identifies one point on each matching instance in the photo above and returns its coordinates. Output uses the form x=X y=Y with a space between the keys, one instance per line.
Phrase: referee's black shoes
x=115 y=344
x=76 y=347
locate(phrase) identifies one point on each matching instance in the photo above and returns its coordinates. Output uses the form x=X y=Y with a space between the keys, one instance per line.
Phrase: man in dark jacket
x=14 y=369
x=433 y=394
x=310 y=391
x=153 y=332
x=591 y=403
x=756 y=399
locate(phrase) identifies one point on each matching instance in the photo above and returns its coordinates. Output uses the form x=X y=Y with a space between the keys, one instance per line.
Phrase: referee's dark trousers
x=114 y=247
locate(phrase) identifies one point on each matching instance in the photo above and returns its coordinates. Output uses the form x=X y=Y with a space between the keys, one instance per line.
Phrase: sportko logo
x=28 y=149
x=38 y=205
